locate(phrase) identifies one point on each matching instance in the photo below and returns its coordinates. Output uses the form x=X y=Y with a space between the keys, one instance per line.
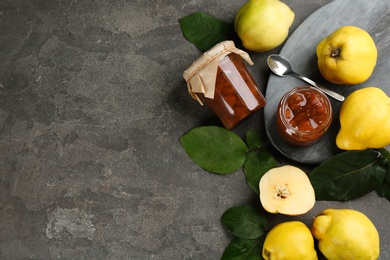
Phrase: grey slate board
x=372 y=16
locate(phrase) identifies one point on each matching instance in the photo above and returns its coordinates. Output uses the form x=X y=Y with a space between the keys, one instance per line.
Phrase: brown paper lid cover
x=202 y=74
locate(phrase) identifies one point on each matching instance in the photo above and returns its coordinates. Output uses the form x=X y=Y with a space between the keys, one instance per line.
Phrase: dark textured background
x=92 y=104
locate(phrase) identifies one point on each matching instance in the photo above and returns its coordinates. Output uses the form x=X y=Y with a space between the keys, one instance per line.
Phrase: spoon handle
x=329 y=92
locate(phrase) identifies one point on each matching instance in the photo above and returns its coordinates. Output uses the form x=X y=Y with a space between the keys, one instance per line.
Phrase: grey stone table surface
x=92 y=105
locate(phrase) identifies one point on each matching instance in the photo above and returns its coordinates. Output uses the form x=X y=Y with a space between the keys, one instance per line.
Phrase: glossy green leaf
x=387 y=177
x=204 y=30
x=255 y=166
x=384 y=190
x=244 y=221
x=244 y=249
x=348 y=175
x=253 y=140
x=215 y=149
x=385 y=155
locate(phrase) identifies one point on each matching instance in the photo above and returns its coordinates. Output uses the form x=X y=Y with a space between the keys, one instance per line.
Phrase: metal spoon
x=282 y=67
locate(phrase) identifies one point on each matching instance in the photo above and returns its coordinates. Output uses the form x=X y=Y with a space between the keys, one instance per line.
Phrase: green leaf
x=387 y=177
x=385 y=155
x=215 y=149
x=205 y=31
x=384 y=190
x=348 y=175
x=244 y=221
x=255 y=166
x=253 y=140
x=244 y=249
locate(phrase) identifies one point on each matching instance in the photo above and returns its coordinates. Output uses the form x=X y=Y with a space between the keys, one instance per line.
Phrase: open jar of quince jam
x=304 y=114
x=220 y=79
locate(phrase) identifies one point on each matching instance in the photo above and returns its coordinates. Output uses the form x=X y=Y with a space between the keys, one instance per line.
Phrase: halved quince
x=286 y=190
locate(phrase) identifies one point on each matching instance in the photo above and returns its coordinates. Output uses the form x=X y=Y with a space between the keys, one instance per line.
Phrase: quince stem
x=335 y=53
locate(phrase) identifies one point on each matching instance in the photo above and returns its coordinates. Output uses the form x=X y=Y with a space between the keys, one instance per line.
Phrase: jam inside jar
x=236 y=93
x=304 y=114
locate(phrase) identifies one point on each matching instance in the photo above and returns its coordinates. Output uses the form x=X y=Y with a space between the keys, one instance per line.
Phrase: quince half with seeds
x=286 y=190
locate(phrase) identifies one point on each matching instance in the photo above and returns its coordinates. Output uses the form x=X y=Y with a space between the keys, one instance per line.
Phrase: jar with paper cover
x=220 y=79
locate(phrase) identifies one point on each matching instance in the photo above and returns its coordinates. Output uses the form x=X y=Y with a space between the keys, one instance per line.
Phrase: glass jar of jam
x=220 y=79
x=304 y=114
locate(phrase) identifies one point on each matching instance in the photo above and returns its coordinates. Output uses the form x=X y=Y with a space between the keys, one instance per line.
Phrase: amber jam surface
x=236 y=93
x=304 y=115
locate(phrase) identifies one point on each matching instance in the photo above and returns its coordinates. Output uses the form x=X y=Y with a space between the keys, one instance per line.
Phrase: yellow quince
x=347 y=56
x=263 y=24
x=345 y=234
x=291 y=240
x=364 y=120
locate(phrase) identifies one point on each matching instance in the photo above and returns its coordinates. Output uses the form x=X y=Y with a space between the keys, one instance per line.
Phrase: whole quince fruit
x=290 y=240
x=364 y=120
x=263 y=24
x=346 y=234
x=286 y=190
x=347 y=56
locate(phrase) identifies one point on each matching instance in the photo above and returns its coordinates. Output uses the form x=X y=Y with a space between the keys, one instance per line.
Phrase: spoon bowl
x=282 y=67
